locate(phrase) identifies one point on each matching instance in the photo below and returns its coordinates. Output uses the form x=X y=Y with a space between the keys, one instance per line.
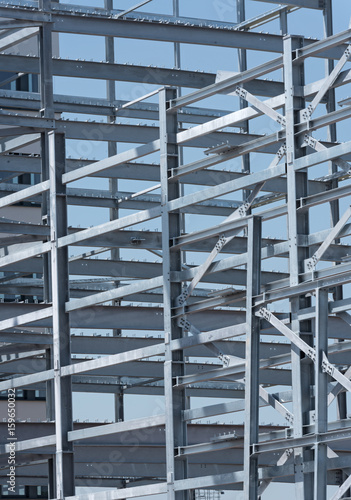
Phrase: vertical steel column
x=283 y=21
x=177 y=64
x=60 y=319
x=111 y=97
x=321 y=393
x=242 y=63
x=332 y=136
x=334 y=205
x=174 y=362
x=113 y=185
x=176 y=44
x=329 y=66
x=253 y=288
x=111 y=145
x=298 y=224
x=47 y=110
x=45 y=53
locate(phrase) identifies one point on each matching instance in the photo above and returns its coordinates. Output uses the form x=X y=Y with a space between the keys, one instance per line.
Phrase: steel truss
x=48 y=294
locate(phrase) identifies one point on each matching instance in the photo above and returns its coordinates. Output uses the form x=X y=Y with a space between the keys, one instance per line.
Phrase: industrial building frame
x=311 y=354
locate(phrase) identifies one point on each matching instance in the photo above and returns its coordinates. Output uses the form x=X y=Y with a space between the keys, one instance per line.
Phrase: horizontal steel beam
x=113 y=161
x=126 y=28
x=309 y=4
x=226 y=187
x=121 y=72
x=127 y=426
x=228 y=84
x=116 y=293
x=148 y=172
x=306 y=440
x=322 y=156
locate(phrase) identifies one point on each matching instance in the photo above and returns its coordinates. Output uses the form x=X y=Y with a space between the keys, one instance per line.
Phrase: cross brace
x=343 y=488
x=223 y=240
x=318 y=146
x=310 y=264
x=310 y=352
x=307 y=113
x=233 y=360
x=260 y=106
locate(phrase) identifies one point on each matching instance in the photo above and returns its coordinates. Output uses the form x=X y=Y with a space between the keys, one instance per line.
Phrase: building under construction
x=151 y=271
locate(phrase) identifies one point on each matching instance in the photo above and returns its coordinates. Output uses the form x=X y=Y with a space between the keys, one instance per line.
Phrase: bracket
x=282 y=461
x=226 y=360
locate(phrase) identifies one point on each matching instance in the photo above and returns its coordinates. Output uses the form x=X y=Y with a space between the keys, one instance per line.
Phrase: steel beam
x=24 y=194
x=95 y=25
x=309 y=4
x=228 y=84
x=17 y=37
x=111 y=162
x=118 y=427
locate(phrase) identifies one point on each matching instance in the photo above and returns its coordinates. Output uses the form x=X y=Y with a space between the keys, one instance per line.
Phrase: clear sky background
x=209 y=59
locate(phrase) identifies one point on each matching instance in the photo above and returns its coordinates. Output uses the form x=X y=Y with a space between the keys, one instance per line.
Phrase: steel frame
x=232 y=327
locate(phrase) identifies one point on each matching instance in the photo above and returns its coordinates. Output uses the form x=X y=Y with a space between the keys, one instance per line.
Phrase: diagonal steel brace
x=260 y=106
x=331 y=370
x=318 y=146
x=342 y=489
x=310 y=352
x=276 y=404
x=338 y=387
x=328 y=82
x=282 y=460
x=227 y=360
x=310 y=264
x=223 y=239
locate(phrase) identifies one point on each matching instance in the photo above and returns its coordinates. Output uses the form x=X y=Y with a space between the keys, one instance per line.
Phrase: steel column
x=297 y=225
x=60 y=319
x=175 y=399
x=321 y=392
x=47 y=111
x=252 y=357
